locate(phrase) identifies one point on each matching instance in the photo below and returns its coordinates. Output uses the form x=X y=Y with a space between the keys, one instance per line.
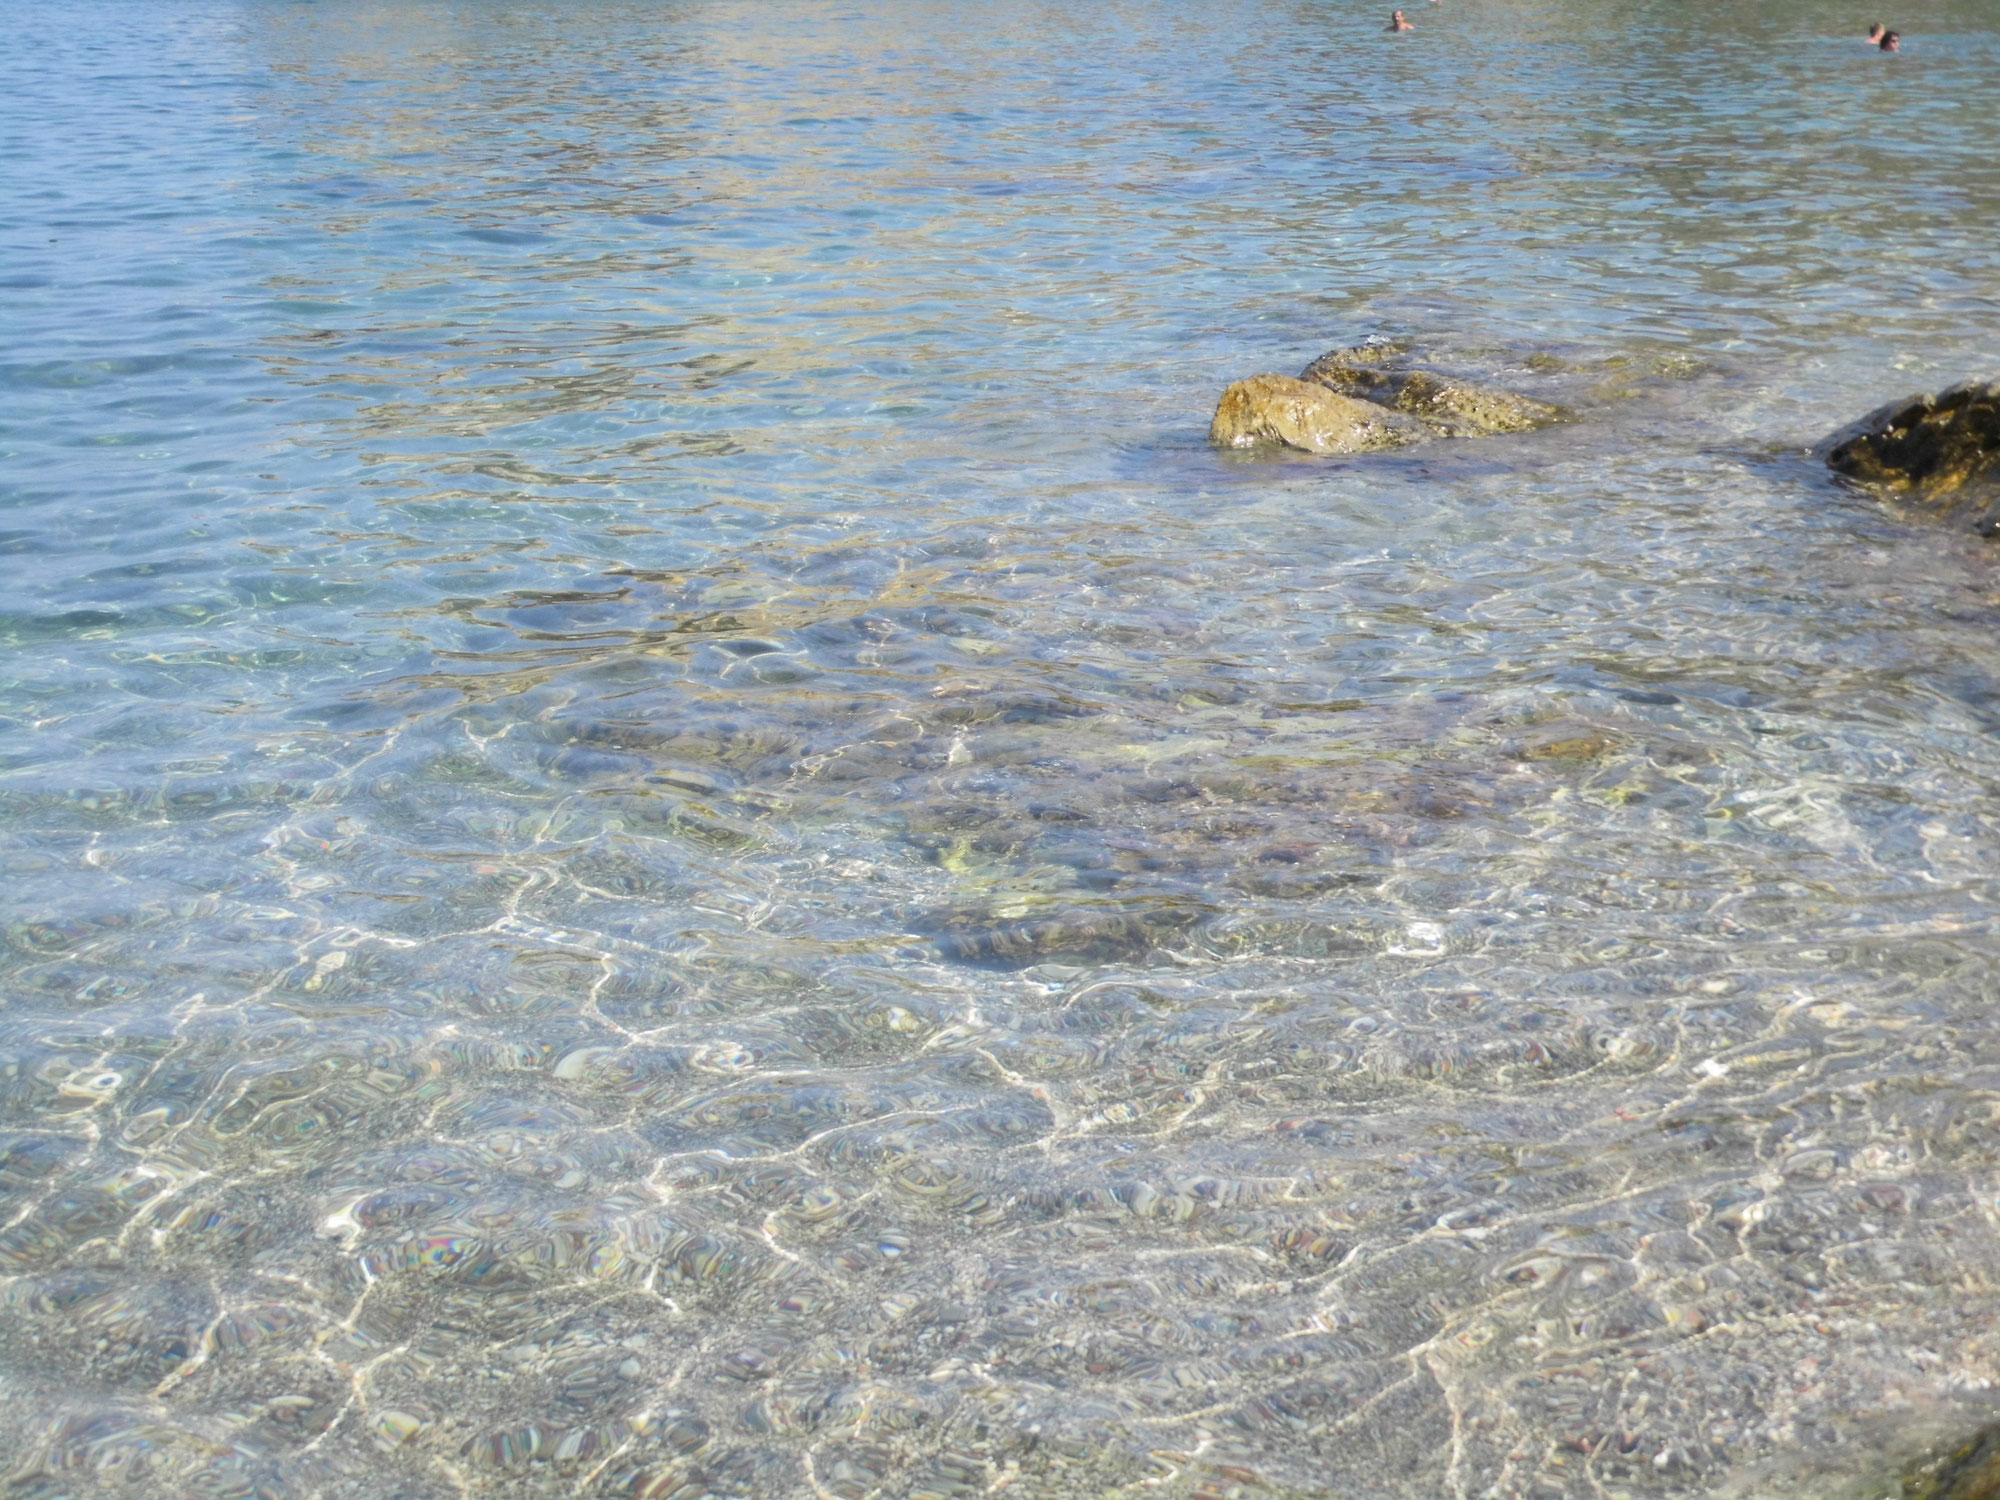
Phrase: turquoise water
x=669 y=833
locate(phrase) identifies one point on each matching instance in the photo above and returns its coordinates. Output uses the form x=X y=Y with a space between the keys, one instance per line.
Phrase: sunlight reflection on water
x=669 y=833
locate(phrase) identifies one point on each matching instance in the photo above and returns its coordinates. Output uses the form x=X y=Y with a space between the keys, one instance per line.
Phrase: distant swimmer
x=1892 y=41
x=1400 y=22
x=1875 y=34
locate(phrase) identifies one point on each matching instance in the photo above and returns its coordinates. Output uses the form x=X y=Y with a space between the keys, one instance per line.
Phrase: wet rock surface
x=1300 y=414
x=1364 y=382
x=1970 y=1471
x=1933 y=448
x=1450 y=408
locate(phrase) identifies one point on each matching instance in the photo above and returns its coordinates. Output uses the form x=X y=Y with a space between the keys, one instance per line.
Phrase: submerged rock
x=1930 y=447
x=1308 y=416
x=1453 y=408
x=1970 y=1471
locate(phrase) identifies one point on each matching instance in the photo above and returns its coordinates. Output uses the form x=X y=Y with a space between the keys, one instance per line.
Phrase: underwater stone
x=393 y=1429
x=1970 y=1471
x=1299 y=414
x=1458 y=408
x=1453 y=408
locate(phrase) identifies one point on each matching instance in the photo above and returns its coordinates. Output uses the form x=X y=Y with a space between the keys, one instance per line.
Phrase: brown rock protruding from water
x=1364 y=399
x=1305 y=415
x=1452 y=408
x=1929 y=447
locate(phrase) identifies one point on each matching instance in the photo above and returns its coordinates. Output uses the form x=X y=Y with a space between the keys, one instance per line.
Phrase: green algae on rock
x=1300 y=414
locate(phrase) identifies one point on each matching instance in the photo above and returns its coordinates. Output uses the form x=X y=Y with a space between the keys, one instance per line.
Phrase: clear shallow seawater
x=667 y=833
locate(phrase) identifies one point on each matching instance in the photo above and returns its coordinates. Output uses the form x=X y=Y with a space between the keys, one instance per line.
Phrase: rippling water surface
x=668 y=833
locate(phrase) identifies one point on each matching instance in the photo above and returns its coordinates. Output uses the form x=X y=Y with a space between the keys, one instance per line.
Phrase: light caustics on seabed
x=667 y=831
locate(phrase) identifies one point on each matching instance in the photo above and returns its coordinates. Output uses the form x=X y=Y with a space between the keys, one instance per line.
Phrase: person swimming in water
x=1892 y=41
x=1400 y=22
x=1875 y=34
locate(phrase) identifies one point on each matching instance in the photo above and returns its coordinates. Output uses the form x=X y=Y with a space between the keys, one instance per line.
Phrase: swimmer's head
x=1892 y=41
x=1875 y=33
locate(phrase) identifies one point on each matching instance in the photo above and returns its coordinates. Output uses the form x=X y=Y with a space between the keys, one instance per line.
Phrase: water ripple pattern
x=668 y=834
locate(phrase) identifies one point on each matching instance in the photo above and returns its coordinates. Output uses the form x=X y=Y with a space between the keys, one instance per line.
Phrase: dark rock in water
x=1970 y=1471
x=1008 y=938
x=1299 y=414
x=1930 y=447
